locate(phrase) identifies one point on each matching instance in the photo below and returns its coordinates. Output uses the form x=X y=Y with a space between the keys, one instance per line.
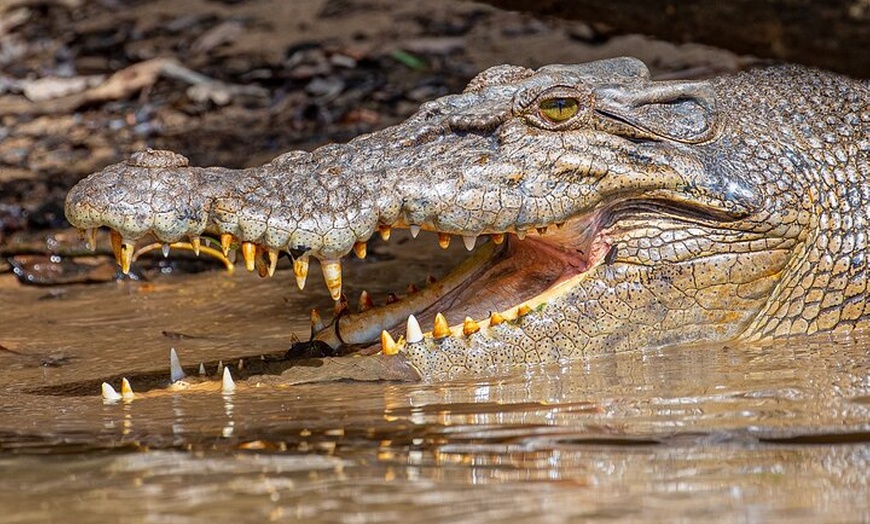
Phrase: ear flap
x=680 y=111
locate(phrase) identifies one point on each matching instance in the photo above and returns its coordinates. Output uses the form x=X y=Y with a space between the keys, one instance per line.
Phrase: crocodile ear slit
x=679 y=111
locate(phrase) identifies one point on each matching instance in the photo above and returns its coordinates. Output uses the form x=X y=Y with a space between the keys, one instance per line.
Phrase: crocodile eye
x=558 y=110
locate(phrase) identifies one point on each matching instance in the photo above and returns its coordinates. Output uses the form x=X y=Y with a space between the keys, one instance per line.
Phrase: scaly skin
x=689 y=211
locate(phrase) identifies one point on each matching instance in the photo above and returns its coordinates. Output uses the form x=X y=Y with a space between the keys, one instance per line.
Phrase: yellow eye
x=559 y=109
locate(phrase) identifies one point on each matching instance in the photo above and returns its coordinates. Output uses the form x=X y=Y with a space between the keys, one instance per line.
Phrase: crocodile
x=621 y=212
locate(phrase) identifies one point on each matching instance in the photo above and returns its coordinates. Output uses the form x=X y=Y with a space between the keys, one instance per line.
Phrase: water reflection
x=723 y=433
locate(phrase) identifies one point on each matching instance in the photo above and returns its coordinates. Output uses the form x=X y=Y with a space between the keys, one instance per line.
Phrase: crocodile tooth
x=273 y=260
x=127 y=250
x=388 y=345
x=541 y=230
x=523 y=310
x=469 y=327
x=521 y=234
x=430 y=279
x=359 y=249
x=497 y=238
x=560 y=225
x=469 y=242
x=126 y=390
x=195 y=243
x=300 y=269
x=316 y=321
x=444 y=240
x=441 y=328
x=226 y=242
x=385 y=232
x=90 y=235
x=332 y=276
x=412 y=289
x=340 y=307
x=220 y=368
x=495 y=318
x=413 y=333
x=116 y=240
x=175 y=371
x=109 y=393
x=260 y=263
x=249 y=253
x=415 y=230
x=241 y=365
x=164 y=248
x=227 y=384
x=392 y=298
x=201 y=369
x=365 y=301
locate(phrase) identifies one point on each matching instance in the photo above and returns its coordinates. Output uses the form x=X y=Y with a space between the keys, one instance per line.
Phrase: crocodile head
x=620 y=212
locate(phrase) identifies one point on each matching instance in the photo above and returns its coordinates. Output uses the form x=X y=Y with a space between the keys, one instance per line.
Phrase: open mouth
x=504 y=277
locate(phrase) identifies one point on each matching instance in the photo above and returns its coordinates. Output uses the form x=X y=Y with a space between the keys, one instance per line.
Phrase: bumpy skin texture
x=735 y=207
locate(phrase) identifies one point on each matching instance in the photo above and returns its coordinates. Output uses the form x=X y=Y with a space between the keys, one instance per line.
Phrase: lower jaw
x=493 y=279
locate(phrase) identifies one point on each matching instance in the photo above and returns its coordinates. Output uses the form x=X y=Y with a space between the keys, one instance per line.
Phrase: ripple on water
x=752 y=432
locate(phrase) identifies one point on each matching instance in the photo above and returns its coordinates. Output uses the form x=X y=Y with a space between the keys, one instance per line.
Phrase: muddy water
x=716 y=434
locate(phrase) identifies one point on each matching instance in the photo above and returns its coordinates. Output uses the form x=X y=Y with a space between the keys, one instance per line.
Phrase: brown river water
x=776 y=432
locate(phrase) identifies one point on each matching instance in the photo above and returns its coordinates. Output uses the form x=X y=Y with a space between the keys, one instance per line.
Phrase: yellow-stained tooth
x=273 y=260
x=523 y=310
x=260 y=262
x=469 y=327
x=359 y=249
x=249 y=253
x=365 y=301
x=332 y=276
x=116 y=239
x=388 y=344
x=441 y=329
x=444 y=240
x=300 y=269
x=497 y=238
x=495 y=318
x=195 y=243
x=385 y=232
x=541 y=230
x=412 y=289
x=226 y=243
x=430 y=279
x=127 y=250
x=126 y=390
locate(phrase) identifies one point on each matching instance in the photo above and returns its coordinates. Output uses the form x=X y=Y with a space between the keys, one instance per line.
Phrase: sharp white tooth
x=202 y=369
x=126 y=390
x=109 y=393
x=415 y=230
x=227 y=384
x=413 y=333
x=165 y=249
x=332 y=276
x=469 y=241
x=175 y=371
